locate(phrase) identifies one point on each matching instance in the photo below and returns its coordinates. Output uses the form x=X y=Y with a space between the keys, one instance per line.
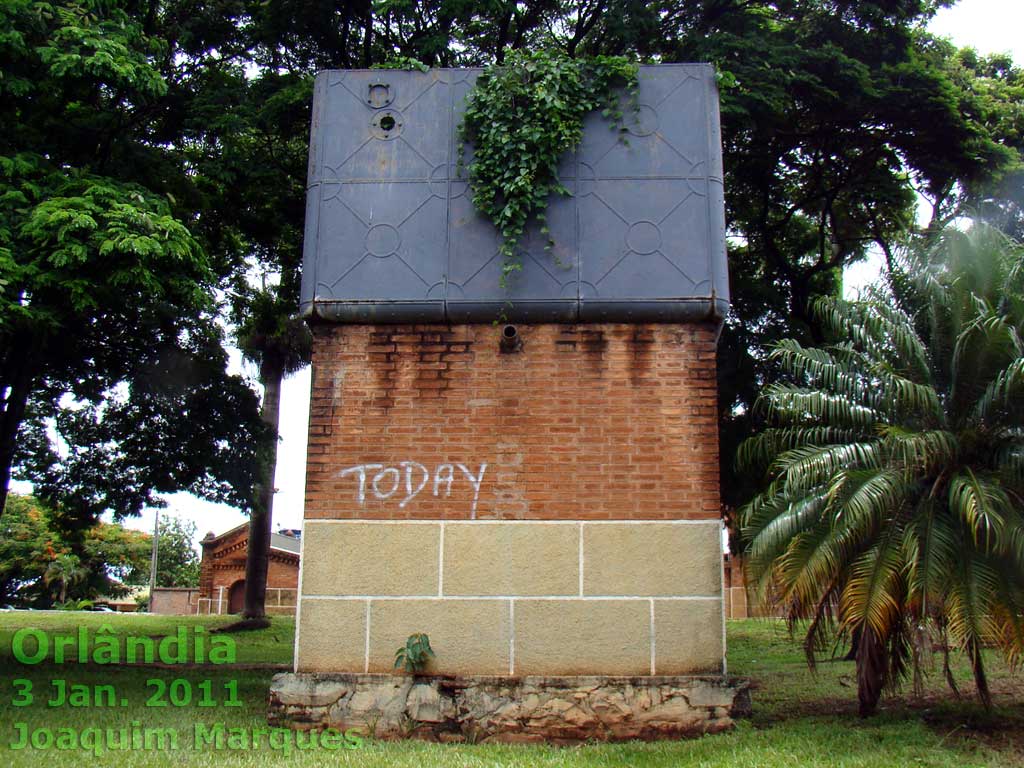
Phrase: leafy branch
x=521 y=117
x=414 y=655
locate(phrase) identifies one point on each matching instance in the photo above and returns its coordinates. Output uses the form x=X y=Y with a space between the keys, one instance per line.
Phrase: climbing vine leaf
x=521 y=117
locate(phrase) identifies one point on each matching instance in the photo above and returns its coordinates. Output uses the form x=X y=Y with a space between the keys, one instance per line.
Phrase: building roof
x=284 y=543
x=280 y=542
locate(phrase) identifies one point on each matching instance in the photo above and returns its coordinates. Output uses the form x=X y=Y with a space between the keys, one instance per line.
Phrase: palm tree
x=270 y=334
x=66 y=570
x=895 y=456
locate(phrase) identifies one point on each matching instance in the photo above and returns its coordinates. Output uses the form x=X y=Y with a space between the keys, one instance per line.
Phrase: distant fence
x=280 y=602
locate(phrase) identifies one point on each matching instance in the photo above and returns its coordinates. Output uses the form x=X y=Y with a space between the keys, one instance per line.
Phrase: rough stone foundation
x=503 y=709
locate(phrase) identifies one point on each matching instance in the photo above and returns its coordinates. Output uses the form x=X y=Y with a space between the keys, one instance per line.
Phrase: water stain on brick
x=640 y=341
x=591 y=342
x=382 y=360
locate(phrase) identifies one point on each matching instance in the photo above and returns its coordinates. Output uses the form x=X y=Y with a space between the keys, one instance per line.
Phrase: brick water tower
x=538 y=495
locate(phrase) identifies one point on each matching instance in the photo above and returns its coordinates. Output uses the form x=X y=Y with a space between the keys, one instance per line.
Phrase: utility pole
x=152 y=559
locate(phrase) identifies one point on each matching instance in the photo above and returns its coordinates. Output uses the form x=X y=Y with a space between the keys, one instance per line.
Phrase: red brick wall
x=586 y=422
x=283 y=575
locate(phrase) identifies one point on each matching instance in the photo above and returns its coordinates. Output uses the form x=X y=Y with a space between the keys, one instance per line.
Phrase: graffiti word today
x=408 y=479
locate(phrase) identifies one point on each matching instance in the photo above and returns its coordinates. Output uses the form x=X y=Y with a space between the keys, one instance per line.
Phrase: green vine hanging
x=521 y=117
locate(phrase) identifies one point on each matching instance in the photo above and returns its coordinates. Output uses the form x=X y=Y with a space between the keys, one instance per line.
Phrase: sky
x=990 y=26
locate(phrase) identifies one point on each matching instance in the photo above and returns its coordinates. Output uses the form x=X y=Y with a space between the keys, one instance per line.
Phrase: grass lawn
x=800 y=718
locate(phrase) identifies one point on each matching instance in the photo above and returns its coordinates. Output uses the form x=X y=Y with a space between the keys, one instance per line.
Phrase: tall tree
x=107 y=328
x=834 y=116
x=177 y=560
x=271 y=335
x=997 y=198
x=260 y=169
x=896 y=465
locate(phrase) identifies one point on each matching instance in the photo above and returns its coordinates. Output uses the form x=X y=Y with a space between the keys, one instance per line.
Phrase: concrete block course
x=370 y=559
x=331 y=635
x=468 y=636
x=580 y=637
x=511 y=559
x=520 y=597
x=688 y=637
x=652 y=559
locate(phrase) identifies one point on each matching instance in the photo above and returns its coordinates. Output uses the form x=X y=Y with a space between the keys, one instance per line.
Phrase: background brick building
x=222 y=572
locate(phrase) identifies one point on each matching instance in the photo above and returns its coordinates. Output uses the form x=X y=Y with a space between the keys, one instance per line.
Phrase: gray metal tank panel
x=392 y=235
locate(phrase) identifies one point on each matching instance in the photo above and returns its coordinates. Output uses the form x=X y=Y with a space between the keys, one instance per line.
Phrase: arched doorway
x=236 y=597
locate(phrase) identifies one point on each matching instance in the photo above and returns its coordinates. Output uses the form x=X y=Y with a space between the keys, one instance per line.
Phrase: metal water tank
x=392 y=235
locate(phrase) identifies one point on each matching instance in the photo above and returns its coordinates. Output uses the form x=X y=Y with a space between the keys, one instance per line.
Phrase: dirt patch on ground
x=966 y=723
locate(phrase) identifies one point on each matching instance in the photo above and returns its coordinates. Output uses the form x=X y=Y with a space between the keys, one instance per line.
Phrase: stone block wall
x=516 y=598
x=552 y=511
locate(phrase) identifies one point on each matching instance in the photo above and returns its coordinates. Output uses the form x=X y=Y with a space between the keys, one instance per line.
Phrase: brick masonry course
x=590 y=422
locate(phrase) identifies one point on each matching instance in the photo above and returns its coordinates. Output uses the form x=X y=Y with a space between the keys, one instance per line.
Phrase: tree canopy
x=835 y=115
x=40 y=557
x=95 y=561
x=108 y=333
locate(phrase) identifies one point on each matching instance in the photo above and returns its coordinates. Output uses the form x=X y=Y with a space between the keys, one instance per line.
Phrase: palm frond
x=920 y=453
x=981 y=506
x=895 y=466
x=1004 y=394
x=802 y=469
x=761 y=449
x=789 y=404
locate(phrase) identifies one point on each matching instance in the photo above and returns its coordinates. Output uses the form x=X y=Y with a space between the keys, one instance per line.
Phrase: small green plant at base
x=414 y=655
x=407 y=725
x=521 y=117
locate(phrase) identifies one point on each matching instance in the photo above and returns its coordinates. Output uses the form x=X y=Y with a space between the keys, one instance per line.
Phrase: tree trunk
x=368 y=37
x=871 y=666
x=980 y=679
x=18 y=374
x=854 y=645
x=257 y=559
